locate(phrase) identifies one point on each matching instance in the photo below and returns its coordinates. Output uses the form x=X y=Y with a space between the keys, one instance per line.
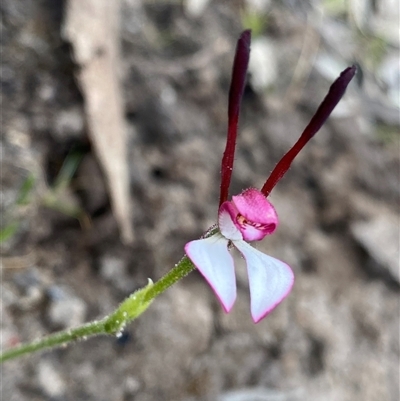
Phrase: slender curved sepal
x=270 y=280
x=236 y=90
x=336 y=91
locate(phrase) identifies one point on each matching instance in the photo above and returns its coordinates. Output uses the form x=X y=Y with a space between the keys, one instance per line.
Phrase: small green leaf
x=255 y=21
x=8 y=231
x=129 y=309
x=335 y=7
x=26 y=189
x=68 y=169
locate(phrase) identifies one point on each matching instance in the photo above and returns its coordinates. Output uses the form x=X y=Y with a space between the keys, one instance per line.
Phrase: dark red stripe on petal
x=240 y=64
x=336 y=91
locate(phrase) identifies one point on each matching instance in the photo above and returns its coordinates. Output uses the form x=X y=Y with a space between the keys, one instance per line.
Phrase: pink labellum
x=251 y=214
x=270 y=280
x=258 y=216
x=214 y=262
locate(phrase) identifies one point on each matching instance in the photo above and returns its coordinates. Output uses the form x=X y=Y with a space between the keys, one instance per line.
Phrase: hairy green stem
x=54 y=340
x=128 y=310
x=174 y=275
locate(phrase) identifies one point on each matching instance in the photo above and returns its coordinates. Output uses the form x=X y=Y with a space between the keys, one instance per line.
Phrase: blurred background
x=114 y=117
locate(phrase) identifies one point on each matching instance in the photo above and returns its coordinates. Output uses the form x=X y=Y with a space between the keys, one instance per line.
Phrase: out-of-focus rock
x=379 y=236
x=50 y=379
x=385 y=22
x=389 y=74
x=131 y=385
x=114 y=270
x=260 y=6
x=31 y=286
x=262 y=65
x=66 y=309
x=69 y=123
x=195 y=8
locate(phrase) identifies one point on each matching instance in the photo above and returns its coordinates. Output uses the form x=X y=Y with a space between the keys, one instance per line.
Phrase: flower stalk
x=130 y=309
x=55 y=340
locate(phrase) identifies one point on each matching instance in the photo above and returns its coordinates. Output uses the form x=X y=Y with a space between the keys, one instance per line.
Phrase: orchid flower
x=250 y=216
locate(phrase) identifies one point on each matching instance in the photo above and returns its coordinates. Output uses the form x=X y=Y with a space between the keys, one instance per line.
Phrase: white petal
x=213 y=260
x=270 y=280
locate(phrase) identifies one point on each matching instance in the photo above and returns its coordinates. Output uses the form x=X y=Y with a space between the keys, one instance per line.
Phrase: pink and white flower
x=250 y=216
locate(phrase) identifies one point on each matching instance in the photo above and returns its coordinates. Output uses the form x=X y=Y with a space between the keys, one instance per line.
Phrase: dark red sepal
x=336 y=91
x=240 y=65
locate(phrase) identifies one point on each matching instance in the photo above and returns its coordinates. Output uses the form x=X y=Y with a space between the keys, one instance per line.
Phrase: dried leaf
x=91 y=26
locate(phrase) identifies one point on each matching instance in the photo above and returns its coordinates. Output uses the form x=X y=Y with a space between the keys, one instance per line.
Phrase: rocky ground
x=63 y=262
